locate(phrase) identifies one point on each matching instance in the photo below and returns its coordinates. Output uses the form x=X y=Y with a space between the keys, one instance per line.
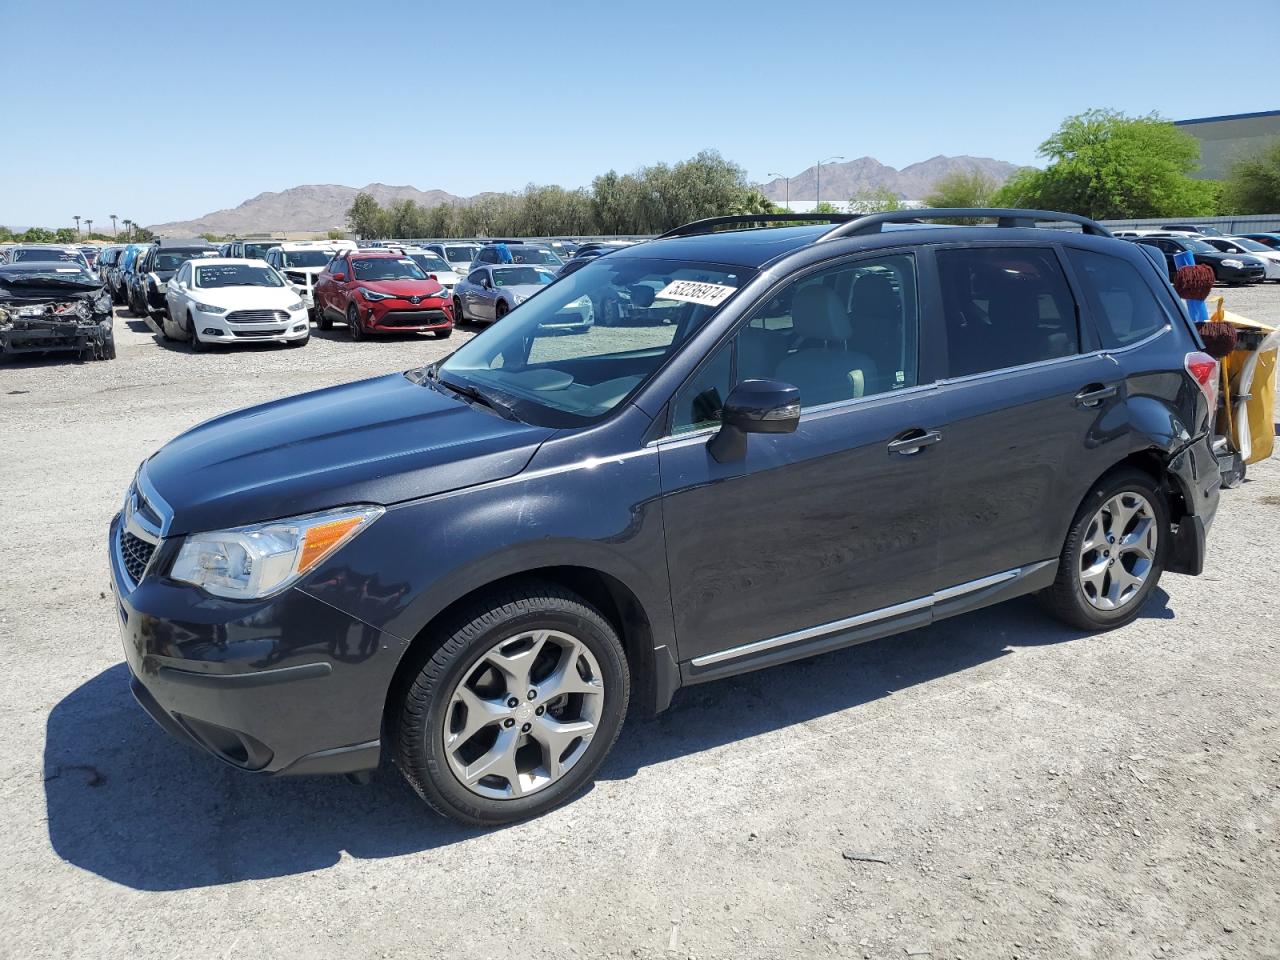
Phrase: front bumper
x=386 y=316
x=218 y=328
x=1241 y=275
x=284 y=685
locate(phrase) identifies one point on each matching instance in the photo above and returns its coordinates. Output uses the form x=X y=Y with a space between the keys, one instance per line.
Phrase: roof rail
x=710 y=223
x=1004 y=217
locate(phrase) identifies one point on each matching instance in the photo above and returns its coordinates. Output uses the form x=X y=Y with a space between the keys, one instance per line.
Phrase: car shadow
x=126 y=802
x=339 y=332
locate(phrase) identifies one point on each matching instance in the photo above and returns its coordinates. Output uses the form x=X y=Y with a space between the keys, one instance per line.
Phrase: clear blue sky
x=168 y=112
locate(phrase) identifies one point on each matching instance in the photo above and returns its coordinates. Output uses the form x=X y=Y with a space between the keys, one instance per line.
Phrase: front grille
x=413 y=318
x=260 y=334
x=257 y=316
x=136 y=554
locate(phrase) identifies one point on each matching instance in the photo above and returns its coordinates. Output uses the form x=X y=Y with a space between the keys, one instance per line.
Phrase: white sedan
x=1270 y=258
x=221 y=300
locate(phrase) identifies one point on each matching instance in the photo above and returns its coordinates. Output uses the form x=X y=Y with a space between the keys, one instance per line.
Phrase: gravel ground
x=992 y=786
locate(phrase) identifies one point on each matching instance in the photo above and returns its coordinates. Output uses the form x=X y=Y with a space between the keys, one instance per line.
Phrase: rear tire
x=1110 y=565
x=497 y=624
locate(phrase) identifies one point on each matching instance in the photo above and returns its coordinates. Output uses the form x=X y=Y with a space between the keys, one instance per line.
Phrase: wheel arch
x=654 y=672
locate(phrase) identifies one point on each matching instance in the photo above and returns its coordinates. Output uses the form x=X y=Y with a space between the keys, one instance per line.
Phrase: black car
x=585 y=254
x=835 y=433
x=529 y=253
x=52 y=306
x=1227 y=267
x=149 y=281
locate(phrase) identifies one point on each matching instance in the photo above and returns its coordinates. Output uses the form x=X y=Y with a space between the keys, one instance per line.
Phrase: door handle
x=913 y=441
x=1094 y=394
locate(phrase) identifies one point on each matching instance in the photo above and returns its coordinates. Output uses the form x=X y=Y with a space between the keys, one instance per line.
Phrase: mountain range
x=317 y=207
x=311 y=208
x=842 y=181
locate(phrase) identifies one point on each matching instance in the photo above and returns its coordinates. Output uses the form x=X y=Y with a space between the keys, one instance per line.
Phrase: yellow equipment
x=1249 y=386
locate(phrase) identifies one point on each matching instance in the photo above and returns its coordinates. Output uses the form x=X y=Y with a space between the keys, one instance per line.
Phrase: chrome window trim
x=822 y=409
x=1148 y=339
x=873 y=616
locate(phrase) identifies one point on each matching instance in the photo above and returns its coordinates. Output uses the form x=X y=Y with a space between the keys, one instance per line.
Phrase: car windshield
x=462 y=254
x=520 y=276
x=236 y=275
x=258 y=251
x=534 y=255
x=637 y=314
x=1199 y=246
x=38 y=273
x=44 y=254
x=430 y=263
x=386 y=268
x=175 y=259
x=1251 y=245
x=306 y=258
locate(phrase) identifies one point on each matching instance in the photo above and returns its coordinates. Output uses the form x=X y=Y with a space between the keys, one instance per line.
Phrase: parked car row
x=1234 y=260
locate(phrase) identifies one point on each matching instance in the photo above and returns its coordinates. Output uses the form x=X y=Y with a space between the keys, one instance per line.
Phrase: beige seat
x=822 y=365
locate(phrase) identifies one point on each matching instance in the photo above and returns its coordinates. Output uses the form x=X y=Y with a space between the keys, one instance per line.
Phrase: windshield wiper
x=500 y=407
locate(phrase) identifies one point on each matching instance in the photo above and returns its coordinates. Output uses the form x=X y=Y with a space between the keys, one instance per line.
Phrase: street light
x=788 y=179
x=818 y=188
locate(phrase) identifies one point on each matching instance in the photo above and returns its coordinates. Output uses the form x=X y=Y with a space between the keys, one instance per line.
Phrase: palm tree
x=77 y=220
x=88 y=226
x=128 y=228
x=753 y=201
x=113 y=225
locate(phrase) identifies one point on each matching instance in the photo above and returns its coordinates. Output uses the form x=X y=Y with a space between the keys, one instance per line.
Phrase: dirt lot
x=993 y=786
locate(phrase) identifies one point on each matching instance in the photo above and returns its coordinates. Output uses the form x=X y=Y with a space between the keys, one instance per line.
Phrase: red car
x=377 y=291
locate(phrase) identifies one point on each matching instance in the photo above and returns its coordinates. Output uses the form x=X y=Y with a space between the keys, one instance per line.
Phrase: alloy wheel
x=1119 y=551
x=523 y=714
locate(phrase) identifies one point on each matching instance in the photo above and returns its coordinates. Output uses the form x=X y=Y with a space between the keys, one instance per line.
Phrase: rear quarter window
x=1124 y=307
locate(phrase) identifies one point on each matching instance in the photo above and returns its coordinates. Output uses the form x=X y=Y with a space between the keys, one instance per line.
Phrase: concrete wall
x=1223 y=139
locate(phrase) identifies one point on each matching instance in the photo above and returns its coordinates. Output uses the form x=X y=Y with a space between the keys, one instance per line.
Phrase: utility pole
x=818 y=187
x=788 y=179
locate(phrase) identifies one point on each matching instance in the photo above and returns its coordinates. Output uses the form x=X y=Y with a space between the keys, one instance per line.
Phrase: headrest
x=817 y=314
x=873 y=296
x=641 y=295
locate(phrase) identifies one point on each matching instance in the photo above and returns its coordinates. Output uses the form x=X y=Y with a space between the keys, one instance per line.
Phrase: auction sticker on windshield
x=690 y=291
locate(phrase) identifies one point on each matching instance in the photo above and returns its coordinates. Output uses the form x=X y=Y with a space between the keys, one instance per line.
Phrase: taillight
x=1204 y=370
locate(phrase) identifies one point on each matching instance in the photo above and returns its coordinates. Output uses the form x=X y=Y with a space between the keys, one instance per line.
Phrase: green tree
x=365 y=217
x=1106 y=165
x=754 y=201
x=825 y=207
x=873 y=200
x=964 y=188
x=37 y=235
x=1253 y=182
x=334 y=234
x=64 y=235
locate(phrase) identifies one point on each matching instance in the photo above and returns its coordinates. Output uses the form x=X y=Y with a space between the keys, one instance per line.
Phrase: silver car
x=488 y=294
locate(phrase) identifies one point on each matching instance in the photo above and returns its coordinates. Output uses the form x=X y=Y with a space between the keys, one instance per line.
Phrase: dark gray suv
x=794 y=439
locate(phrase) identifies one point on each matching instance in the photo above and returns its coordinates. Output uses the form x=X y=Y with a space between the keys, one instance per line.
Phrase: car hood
x=523 y=290
x=246 y=298
x=402 y=288
x=381 y=441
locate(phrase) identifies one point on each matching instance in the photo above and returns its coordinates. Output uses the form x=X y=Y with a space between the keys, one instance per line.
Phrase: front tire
x=353 y=323
x=323 y=320
x=500 y=311
x=1114 y=554
x=514 y=710
x=197 y=345
x=458 y=315
x=444 y=334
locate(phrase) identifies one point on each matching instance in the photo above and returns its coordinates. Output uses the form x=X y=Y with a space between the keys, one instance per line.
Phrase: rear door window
x=1124 y=307
x=1005 y=307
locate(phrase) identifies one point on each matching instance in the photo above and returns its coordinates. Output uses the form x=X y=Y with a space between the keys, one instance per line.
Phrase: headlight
x=518 y=297
x=249 y=563
x=1234 y=264
x=295 y=307
x=374 y=295
x=209 y=308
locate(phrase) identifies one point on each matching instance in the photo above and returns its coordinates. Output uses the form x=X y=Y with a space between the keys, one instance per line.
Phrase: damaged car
x=48 y=306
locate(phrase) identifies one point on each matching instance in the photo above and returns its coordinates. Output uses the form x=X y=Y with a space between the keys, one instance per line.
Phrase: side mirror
x=339 y=277
x=754 y=406
x=486 y=283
